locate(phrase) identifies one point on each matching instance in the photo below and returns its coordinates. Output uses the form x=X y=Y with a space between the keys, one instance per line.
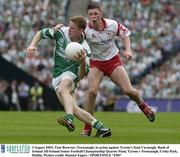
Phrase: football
x=72 y=49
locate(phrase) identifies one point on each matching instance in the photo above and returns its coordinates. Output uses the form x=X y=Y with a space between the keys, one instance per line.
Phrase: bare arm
x=82 y=70
x=127 y=45
x=32 y=48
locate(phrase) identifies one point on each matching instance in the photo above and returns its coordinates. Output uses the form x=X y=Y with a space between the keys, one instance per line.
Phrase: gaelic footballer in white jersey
x=102 y=43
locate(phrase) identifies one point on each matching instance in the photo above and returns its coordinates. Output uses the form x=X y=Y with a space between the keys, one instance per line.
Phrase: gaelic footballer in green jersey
x=66 y=72
x=61 y=62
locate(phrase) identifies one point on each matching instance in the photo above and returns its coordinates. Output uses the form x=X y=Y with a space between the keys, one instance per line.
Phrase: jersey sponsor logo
x=102 y=38
x=61 y=42
x=60 y=52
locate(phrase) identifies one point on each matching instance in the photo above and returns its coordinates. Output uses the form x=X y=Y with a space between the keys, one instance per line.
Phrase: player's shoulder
x=86 y=46
x=63 y=29
x=87 y=25
x=110 y=22
x=47 y=33
x=84 y=42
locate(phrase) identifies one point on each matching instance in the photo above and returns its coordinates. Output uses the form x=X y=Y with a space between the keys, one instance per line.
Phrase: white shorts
x=65 y=75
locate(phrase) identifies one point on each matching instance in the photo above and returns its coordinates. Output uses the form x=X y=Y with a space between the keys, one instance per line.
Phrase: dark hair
x=93 y=5
x=80 y=21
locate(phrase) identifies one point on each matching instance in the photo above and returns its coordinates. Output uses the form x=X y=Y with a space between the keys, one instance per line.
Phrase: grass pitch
x=42 y=128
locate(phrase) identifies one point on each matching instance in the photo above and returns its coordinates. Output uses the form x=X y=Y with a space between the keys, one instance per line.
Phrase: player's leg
x=64 y=86
x=94 y=79
x=120 y=77
x=87 y=118
x=65 y=97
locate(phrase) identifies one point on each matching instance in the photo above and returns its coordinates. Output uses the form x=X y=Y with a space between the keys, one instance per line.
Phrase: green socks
x=98 y=125
x=69 y=117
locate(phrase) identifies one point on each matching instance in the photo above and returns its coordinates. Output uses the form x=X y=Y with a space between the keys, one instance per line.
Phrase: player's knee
x=93 y=91
x=127 y=91
x=60 y=91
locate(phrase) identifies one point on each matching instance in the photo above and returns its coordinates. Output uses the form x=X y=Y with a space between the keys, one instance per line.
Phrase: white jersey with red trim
x=102 y=43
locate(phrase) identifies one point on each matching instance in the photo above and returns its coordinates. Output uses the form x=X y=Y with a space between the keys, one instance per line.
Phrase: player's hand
x=128 y=54
x=80 y=56
x=31 y=51
x=58 y=26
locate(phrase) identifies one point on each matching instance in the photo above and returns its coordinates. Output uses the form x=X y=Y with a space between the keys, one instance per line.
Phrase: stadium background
x=155 y=69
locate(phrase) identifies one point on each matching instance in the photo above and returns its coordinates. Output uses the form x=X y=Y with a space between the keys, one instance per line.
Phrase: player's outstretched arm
x=32 y=48
x=128 y=52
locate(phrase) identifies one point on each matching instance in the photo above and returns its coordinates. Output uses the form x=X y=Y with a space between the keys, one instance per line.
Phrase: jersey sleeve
x=122 y=31
x=47 y=33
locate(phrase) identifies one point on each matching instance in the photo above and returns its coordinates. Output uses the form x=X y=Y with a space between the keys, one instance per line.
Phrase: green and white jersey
x=61 y=62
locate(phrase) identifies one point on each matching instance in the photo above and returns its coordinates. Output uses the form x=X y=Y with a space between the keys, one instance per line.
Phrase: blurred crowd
x=155 y=27
x=19 y=96
x=163 y=82
x=19 y=21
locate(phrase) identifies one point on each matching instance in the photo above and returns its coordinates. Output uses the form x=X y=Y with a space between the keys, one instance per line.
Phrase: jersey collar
x=82 y=39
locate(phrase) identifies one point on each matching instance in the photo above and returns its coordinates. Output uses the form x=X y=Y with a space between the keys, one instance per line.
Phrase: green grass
x=42 y=128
